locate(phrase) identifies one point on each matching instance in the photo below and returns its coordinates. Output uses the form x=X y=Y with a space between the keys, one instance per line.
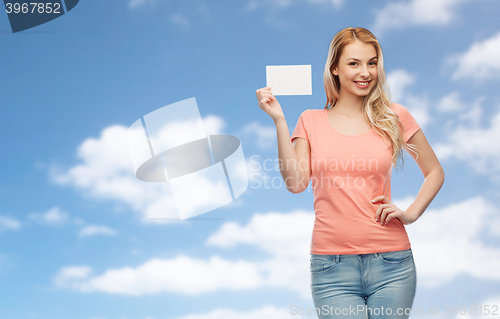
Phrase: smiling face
x=357 y=69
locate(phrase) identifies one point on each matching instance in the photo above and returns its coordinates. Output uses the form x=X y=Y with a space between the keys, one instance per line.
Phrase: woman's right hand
x=269 y=103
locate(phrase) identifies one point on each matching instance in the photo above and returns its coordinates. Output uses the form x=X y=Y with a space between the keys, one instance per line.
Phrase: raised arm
x=294 y=160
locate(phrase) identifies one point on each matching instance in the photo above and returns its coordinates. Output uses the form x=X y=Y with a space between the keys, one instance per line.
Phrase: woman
x=361 y=260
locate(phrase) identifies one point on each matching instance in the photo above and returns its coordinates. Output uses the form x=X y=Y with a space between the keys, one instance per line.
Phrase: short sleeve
x=409 y=123
x=300 y=128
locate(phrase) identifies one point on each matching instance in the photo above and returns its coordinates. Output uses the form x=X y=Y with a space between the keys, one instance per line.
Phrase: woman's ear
x=335 y=71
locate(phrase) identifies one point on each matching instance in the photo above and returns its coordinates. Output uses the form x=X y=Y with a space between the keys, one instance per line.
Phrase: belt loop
x=338 y=258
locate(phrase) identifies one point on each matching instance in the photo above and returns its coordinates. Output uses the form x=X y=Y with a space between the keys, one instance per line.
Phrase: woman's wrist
x=280 y=119
x=411 y=217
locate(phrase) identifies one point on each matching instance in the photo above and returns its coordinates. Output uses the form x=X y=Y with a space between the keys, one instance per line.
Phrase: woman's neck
x=350 y=105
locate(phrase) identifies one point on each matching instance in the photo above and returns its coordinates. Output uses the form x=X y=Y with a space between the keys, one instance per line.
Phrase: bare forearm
x=431 y=186
x=288 y=160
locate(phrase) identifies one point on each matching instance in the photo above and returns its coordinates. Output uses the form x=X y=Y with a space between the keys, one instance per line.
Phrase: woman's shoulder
x=312 y=112
x=399 y=108
x=395 y=106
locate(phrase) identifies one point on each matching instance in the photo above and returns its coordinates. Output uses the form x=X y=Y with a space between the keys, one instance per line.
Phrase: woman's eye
x=372 y=63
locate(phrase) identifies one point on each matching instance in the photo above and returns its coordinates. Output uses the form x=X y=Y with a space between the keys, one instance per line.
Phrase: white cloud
x=480 y=62
x=182 y=274
x=192 y=276
x=265 y=135
x=204 y=11
x=290 y=245
x=399 y=80
x=93 y=230
x=105 y=171
x=451 y=103
x=397 y=15
x=254 y=4
x=67 y=275
x=335 y=3
x=279 y=4
x=419 y=108
x=134 y=4
x=261 y=232
x=180 y=20
x=440 y=238
x=53 y=217
x=224 y=313
x=9 y=223
x=473 y=115
x=259 y=173
x=478 y=146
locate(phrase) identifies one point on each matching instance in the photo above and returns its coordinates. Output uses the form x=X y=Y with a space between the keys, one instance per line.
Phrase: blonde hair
x=377 y=103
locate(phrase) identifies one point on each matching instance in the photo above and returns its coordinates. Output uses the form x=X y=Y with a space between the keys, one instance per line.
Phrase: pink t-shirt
x=347 y=172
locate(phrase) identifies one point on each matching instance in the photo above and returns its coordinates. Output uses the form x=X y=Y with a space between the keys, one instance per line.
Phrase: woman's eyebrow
x=375 y=57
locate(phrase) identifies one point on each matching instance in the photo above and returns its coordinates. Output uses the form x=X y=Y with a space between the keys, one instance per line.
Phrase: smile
x=362 y=84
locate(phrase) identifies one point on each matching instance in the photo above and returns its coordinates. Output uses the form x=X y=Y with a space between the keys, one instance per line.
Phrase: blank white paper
x=289 y=79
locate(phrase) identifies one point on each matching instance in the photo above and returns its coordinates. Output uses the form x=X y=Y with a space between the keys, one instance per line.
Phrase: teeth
x=362 y=83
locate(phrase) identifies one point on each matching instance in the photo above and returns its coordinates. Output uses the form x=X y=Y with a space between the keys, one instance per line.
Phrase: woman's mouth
x=362 y=85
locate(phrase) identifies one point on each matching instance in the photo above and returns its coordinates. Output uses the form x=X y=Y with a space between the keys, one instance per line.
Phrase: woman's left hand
x=388 y=211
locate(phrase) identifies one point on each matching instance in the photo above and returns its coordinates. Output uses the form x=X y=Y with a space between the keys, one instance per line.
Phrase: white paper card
x=289 y=79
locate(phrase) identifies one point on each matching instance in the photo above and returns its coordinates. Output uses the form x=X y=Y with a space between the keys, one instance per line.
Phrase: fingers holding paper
x=269 y=104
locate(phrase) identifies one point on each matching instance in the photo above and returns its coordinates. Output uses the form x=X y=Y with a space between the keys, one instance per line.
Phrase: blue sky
x=76 y=243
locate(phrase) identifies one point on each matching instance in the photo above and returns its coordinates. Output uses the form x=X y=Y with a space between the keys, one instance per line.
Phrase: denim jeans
x=378 y=285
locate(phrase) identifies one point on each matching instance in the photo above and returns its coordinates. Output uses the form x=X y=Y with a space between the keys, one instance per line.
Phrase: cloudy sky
x=76 y=235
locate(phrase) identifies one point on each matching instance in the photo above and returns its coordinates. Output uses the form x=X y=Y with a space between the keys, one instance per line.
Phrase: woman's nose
x=364 y=71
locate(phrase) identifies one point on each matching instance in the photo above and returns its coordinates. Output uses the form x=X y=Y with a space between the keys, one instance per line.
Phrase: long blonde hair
x=377 y=103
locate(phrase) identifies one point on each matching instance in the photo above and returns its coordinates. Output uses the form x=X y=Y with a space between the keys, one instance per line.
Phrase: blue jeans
x=379 y=285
